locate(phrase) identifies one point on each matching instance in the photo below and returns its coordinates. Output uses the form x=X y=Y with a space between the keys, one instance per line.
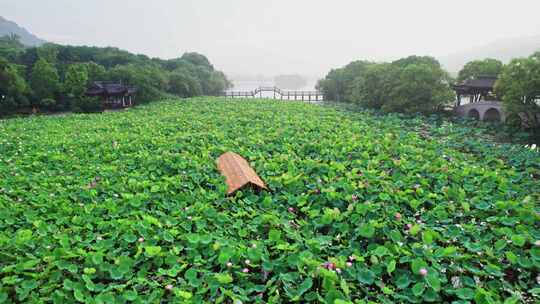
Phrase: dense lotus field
x=129 y=207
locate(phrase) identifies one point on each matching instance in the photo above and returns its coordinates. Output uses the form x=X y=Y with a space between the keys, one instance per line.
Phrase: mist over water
x=250 y=85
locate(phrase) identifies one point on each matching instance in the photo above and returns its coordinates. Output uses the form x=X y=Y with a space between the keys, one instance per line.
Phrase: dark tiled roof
x=109 y=88
x=481 y=83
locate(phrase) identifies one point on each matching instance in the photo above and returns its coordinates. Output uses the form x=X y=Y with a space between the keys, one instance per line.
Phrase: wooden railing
x=277 y=94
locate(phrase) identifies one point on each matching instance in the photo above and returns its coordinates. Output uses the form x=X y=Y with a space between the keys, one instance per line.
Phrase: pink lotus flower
x=291 y=209
x=245 y=270
x=338 y=270
x=398 y=216
x=354 y=197
x=423 y=272
x=349 y=264
x=409 y=226
x=169 y=287
x=329 y=265
x=352 y=258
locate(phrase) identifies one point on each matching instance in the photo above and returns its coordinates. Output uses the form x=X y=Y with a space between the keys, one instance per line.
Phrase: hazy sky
x=278 y=36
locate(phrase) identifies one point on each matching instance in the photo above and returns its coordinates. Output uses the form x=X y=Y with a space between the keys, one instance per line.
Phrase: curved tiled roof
x=109 y=88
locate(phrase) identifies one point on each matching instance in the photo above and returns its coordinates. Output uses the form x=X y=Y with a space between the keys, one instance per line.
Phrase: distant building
x=482 y=103
x=113 y=94
x=477 y=89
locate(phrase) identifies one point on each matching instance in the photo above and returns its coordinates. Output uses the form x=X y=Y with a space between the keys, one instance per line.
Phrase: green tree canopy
x=182 y=84
x=373 y=88
x=150 y=80
x=198 y=60
x=45 y=82
x=476 y=68
x=43 y=67
x=338 y=85
x=13 y=88
x=519 y=87
x=413 y=84
x=417 y=60
x=10 y=47
x=332 y=85
x=76 y=81
x=96 y=72
x=419 y=88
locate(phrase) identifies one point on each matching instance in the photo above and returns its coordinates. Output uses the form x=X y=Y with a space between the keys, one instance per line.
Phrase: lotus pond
x=128 y=207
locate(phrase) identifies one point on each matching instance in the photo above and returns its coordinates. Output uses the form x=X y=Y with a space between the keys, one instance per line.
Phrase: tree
x=75 y=83
x=373 y=88
x=198 y=60
x=339 y=83
x=95 y=71
x=49 y=52
x=416 y=60
x=416 y=84
x=519 y=87
x=420 y=88
x=44 y=66
x=217 y=83
x=476 y=68
x=13 y=88
x=332 y=85
x=10 y=47
x=151 y=81
x=44 y=82
x=182 y=84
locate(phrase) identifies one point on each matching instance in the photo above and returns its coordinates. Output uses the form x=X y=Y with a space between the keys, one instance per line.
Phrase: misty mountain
x=9 y=27
x=504 y=50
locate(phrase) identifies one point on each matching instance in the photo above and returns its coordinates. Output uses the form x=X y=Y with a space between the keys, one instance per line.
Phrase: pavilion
x=477 y=89
x=112 y=94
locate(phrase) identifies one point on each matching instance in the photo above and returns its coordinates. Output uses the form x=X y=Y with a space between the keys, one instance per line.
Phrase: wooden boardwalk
x=277 y=93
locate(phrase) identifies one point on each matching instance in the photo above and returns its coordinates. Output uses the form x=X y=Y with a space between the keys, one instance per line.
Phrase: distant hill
x=504 y=50
x=9 y=27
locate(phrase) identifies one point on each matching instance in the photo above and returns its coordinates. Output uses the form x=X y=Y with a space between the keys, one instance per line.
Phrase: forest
x=419 y=84
x=54 y=77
